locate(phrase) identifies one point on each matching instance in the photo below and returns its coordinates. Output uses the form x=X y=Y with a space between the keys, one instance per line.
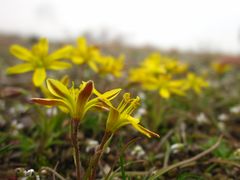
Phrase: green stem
x=74 y=138
x=98 y=154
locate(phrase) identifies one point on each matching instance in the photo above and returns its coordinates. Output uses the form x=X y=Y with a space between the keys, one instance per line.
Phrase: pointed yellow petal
x=83 y=97
x=164 y=93
x=52 y=102
x=102 y=101
x=77 y=60
x=41 y=48
x=132 y=119
x=21 y=52
x=93 y=66
x=39 y=76
x=145 y=131
x=112 y=93
x=57 y=65
x=82 y=44
x=57 y=88
x=61 y=53
x=43 y=44
x=113 y=118
x=179 y=91
x=20 y=68
x=48 y=102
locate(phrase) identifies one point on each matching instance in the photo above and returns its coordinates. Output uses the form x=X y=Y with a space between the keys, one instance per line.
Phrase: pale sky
x=184 y=24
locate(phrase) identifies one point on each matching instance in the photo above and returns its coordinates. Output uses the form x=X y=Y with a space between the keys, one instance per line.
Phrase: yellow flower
x=164 y=84
x=173 y=66
x=156 y=72
x=162 y=73
x=121 y=116
x=110 y=65
x=84 y=54
x=221 y=68
x=153 y=64
x=75 y=101
x=168 y=86
x=195 y=82
x=157 y=64
x=38 y=60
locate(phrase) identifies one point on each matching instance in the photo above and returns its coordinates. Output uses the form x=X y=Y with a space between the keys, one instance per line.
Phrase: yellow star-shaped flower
x=39 y=60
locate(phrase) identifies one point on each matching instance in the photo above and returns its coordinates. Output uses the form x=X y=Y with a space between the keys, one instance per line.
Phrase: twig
x=224 y=161
x=165 y=138
x=134 y=173
x=187 y=161
x=54 y=172
x=167 y=155
x=55 y=169
x=129 y=173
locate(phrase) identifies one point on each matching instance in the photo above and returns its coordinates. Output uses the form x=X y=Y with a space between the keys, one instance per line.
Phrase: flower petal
x=57 y=65
x=112 y=121
x=61 y=53
x=107 y=95
x=63 y=106
x=82 y=44
x=43 y=45
x=77 y=60
x=164 y=93
x=57 y=88
x=83 y=97
x=39 y=76
x=145 y=131
x=20 y=68
x=93 y=66
x=49 y=102
x=21 y=52
x=41 y=48
x=111 y=94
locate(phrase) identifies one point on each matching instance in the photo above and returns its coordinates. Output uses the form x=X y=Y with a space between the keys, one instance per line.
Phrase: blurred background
x=212 y=26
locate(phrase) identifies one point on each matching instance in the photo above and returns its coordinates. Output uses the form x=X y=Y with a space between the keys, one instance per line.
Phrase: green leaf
x=189 y=176
x=223 y=150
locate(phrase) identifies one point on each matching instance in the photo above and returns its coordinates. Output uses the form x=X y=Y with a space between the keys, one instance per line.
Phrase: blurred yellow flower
x=75 y=101
x=195 y=82
x=121 y=116
x=156 y=72
x=220 y=68
x=168 y=86
x=111 y=65
x=153 y=64
x=85 y=54
x=38 y=60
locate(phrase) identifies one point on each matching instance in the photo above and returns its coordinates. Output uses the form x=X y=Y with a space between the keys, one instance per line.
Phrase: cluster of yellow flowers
x=167 y=75
x=85 y=54
x=77 y=101
x=39 y=60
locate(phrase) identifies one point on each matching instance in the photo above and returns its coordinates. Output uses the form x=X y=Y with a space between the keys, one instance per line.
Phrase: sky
x=212 y=25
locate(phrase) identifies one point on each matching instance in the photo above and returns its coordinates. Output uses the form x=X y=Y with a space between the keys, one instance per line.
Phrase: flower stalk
x=76 y=152
x=98 y=154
